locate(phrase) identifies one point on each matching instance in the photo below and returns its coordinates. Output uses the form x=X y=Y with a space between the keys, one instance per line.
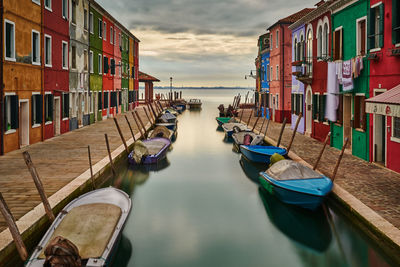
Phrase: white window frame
x=49 y=8
x=91 y=22
x=277 y=72
x=100 y=28
x=76 y=65
x=35 y=125
x=100 y=64
x=120 y=69
x=358 y=35
x=105 y=31
x=64 y=9
x=272 y=73
x=85 y=20
x=13 y=41
x=91 y=61
x=44 y=111
x=51 y=51
x=272 y=41
x=5 y=107
x=392 y=137
x=115 y=36
x=111 y=34
x=277 y=39
x=64 y=64
x=38 y=47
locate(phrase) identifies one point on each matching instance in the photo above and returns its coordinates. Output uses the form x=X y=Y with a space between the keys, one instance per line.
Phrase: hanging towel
x=332 y=87
x=339 y=71
x=347 y=79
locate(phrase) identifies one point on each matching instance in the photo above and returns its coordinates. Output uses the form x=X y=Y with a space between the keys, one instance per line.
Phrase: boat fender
x=62 y=252
x=247 y=139
x=275 y=158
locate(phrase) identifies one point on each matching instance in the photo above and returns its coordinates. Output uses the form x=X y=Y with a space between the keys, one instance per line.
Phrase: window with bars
x=297 y=104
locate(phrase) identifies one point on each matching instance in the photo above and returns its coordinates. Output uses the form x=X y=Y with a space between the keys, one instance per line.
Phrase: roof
x=322 y=7
x=389 y=97
x=293 y=18
x=143 y=77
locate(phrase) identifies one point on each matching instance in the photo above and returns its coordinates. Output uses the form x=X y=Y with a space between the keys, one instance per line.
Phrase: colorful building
x=123 y=92
x=349 y=31
x=280 y=66
x=384 y=83
x=109 y=92
x=264 y=72
x=22 y=76
x=133 y=72
x=117 y=57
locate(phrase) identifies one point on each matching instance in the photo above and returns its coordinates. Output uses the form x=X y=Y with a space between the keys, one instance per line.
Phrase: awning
x=387 y=103
x=144 y=77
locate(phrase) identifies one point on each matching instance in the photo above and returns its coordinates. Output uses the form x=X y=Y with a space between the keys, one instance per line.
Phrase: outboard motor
x=247 y=139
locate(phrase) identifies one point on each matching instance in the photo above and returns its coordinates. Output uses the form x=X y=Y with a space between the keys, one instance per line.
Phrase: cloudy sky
x=200 y=42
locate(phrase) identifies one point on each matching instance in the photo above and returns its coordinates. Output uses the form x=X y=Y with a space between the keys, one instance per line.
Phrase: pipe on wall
x=2 y=108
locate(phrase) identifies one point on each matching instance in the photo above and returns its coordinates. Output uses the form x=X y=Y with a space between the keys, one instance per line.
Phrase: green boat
x=222 y=120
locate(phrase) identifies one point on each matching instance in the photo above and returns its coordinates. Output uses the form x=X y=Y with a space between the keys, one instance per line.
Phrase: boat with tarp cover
x=296 y=184
x=222 y=120
x=249 y=138
x=149 y=151
x=92 y=224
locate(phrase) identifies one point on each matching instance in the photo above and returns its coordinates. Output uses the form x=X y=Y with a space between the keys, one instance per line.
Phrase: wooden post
x=152 y=110
x=120 y=135
x=12 y=226
x=241 y=115
x=255 y=124
x=140 y=121
x=294 y=132
x=130 y=128
x=339 y=159
x=147 y=115
x=266 y=128
x=157 y=108
x=238 y=102
x=180 y=95
x=109 y=155
x=247 y=95
x=262 y=125
x=91 y=168
x=151 y=114
x=281 y=133
x=322 y=151
x=137 y=124
x=39 y=185
x=161 y=107
x=251 y=114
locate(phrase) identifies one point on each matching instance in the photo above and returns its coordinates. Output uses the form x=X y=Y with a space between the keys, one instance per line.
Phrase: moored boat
x=293 y=183
x=149 y=151
x=170 y=125
x=261 y=153
x=222 y=120
x=167 y=118
x=229 y=128
x=93 y=223
x=162 y=131
x=194 y=103
x=241 y=138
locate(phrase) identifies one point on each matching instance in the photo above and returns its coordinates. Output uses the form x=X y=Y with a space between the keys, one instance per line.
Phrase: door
x=80 y=105
x=347 y=119
x=308 y=110
x=57 y=116
x=273 y=108
x=24 y=122
x=380 y=136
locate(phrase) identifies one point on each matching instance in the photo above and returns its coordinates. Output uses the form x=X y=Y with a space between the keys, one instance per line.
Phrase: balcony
x=303 y=71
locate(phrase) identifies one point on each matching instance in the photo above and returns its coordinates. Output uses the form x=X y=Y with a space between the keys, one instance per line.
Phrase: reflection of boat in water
x=124 y=253
x=308 y=228
x=251 y=169
x=162 y=164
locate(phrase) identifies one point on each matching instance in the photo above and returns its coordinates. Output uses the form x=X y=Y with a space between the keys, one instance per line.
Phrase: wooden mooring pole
x=241 y=116
x=322 y=150
x=109 y=156
x=339 y=159
x=39 y=185
x=150 y=113
x=266 y=128
x=154 y=113
x=121 y=135
x=141 y=122
x=137 y=124
x=255 y=124
x=262 y=125
x=281 y=133
x=130 y=128
x=91 y=168
x=294 y=132
x=12 y=226
x=251 y=114
x=147 y=115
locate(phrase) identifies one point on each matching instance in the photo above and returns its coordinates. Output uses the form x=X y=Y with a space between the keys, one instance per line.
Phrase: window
x=119 y=41
x=272 y=72
x=361 y=37
x=65 y=105
x=73 y=11
x=319 y=42
x=48 y=107
x=65 y=55
x=115 y=36
x=64 y=7
x=111 y=35
x=277 y=39
x=105 y=31
x=105 y=100
x=99 y=102
x=309 y=58
x=294 y=56
x=11 y=112
x=396 y=127
x=395 y=21
x=91 y=105
x=91 y=61
x=9 y=40
x=339 y=111
x=297 y=104
x=35 y=48
x=105 y=65
x=112 y=63
x=277 y=72
x=338 y=44
x=85 y=60
x=73 y=105
x=272 y=41
x=47 y=50
x=301 y=48
x=120 y=69
x=325 y=45
x=360 y=118
x=319 y=102
x=91 y=22
x=36 y=109
x=100 y=25
x=99 y=68
x=375 y=26
x=73 y=57
x=113 y=99
x=47 y=4
x=85 y=18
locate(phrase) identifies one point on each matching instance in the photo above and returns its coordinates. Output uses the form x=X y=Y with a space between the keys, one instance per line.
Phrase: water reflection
x=251 y=169
x=124 y=253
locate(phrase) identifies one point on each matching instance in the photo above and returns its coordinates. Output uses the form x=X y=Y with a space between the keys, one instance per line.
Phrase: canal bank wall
x=69 y=179
x=366 y=193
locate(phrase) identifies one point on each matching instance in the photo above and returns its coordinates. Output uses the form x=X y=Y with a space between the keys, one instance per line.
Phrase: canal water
x=203 y=207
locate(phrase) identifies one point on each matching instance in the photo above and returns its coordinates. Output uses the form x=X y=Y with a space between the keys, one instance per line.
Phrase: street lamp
x=170 y=86
x=250 y=75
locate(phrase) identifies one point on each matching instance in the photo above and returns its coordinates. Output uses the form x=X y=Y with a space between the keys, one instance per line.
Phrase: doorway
x=347 y=119
x=24 y=125
x=308 y=110
x=80 y=105
x=56 y=112
x=380 y=138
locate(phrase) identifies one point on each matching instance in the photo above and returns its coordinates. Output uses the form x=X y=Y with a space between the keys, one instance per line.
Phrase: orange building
x=22 y=75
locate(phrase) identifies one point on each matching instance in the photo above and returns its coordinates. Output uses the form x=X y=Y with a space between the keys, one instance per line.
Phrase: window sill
x=10 y=131
x=395 y=139
x=375 y=50
x=36 y=63
x=48 y=122
x=359 y=130
x=49 y=66
x=65 y=119
x=36 y=125
x=397 y=45
x=37 y=3
x=48 y=8
x=64 y=68
x=325 y=123
x=10 y=59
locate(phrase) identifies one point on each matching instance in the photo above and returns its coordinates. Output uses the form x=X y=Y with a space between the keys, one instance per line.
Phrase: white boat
x=194 y=103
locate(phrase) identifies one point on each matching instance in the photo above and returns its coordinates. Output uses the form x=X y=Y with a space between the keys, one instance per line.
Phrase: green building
x=125 y=70
x=349 y=41
x=95 y=62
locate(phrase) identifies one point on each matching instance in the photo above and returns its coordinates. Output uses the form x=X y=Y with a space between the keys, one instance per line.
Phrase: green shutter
x=314 y=105
x=395 y=21
x=371 y=29
x=381 y=24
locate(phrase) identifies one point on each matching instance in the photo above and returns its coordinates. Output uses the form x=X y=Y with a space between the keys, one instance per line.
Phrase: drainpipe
x=42 y=69
x=1 y=84
x=88 y=85
x=283 y=69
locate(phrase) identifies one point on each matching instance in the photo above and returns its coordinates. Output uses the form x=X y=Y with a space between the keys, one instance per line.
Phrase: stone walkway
x=375 y=186
x=58 y=161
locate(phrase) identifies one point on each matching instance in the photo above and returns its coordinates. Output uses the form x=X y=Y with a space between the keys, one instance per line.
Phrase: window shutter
x=334 y=45
x=371 y=29
x=5 y=114
x=40 y=110
x=320 y=108
x=32 y=110
x=51 y=100
x=301 y=105
x=314 y=106
x=395 y=22
x=381 y=24
x=363 y=114
x=66 y=105
x=341 y=44
x=14 y=112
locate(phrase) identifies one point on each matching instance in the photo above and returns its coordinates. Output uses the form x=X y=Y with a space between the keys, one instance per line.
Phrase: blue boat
x=261 y=153
x=296 y=184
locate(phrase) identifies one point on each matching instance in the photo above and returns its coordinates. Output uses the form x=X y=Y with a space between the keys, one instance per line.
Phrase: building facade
x=123 y=92
x=264 y=73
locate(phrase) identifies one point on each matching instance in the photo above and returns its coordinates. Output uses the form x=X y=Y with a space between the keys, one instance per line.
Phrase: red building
x=136 y=70
x=384 y=104
x=280 y=66
x=117 y=58
x=56 y=73
x=109 y=94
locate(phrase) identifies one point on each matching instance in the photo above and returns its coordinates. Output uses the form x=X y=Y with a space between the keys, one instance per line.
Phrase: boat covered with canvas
x=259 y=153
x=247 y=138
x=149 y=151
x=293 y=183
x=231 y=127
x=86 y=231
x=167 y=118
x=162 y=131
x=170 y=125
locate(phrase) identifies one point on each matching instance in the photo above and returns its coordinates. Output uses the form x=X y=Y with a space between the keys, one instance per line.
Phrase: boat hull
x=153 y=159
x=222 y=120
x=261 y=157
x=172 y=126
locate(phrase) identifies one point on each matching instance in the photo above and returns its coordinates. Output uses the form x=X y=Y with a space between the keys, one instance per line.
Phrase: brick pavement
x=58 y=161
x=375 y=186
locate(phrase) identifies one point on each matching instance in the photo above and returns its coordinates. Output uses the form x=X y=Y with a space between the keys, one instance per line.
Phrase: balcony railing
x=303 y=71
